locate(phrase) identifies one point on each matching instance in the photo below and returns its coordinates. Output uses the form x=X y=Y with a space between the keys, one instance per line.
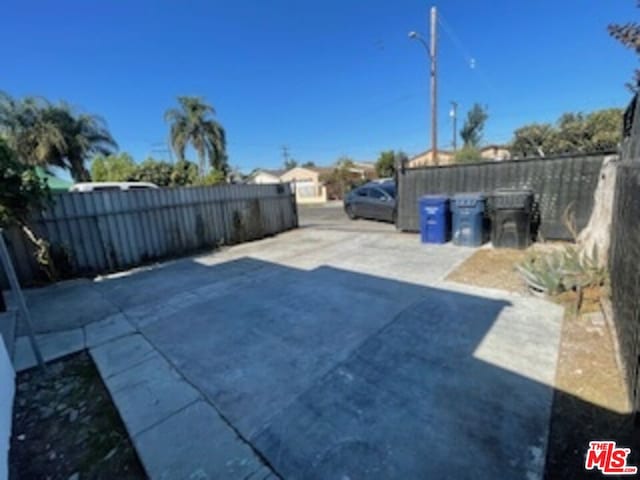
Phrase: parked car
x=102 y=186
x=375 y=200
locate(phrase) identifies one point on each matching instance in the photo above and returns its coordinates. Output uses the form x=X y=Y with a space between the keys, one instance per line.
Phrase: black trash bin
x=511 y=218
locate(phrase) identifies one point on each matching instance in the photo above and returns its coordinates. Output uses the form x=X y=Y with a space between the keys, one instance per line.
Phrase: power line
x=469 y=59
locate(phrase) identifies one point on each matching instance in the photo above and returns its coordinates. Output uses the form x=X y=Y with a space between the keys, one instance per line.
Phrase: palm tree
x=85 y=136
x=191 y=123
x=53 y=135
x=27 y=132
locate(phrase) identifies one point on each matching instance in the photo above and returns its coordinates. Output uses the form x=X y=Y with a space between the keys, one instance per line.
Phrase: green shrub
x=468 y=154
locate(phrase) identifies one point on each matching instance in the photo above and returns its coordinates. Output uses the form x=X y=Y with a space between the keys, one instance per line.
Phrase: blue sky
x=329 y=78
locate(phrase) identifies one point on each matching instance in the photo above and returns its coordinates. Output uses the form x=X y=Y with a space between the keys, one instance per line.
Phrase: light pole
x=432 y=54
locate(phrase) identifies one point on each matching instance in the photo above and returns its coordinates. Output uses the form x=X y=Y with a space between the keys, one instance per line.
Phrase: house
x=496 y=153
x=493 y=152
x=424 y=159
x=261 y=175
x=307 y=183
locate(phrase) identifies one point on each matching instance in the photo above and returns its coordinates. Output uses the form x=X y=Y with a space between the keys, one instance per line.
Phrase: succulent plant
x=562 y=270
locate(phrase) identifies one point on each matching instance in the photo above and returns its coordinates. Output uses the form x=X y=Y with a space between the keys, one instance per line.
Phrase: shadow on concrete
x=330 y=373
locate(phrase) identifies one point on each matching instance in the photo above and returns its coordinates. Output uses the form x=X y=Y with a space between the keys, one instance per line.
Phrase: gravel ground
x=66 y=427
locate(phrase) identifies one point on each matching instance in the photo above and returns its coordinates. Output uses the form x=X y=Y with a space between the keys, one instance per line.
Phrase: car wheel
x=350 y=213
x=394 y=217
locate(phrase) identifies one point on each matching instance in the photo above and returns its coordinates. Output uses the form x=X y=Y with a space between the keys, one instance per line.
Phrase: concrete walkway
x=320 y=353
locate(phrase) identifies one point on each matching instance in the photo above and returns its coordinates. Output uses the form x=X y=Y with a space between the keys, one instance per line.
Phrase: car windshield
x=390 y=188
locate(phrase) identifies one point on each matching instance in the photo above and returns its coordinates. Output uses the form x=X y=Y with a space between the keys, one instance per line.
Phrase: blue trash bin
x=435 y=218
x=468 y=219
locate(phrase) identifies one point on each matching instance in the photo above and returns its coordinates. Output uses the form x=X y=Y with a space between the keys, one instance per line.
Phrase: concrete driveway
x=326 y=352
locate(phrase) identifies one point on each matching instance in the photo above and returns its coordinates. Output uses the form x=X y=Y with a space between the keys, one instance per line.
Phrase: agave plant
x=543 y=274
x=563 y=270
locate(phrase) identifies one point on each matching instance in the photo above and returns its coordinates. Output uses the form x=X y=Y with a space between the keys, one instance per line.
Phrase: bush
x=468 y=155
x=214 y=177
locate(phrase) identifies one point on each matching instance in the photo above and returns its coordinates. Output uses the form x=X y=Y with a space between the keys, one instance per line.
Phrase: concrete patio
x=320 y=353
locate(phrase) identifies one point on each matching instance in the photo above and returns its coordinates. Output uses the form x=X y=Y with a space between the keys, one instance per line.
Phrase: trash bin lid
x=434 y=199
x=511 y=199
x=508 y=192
x=473 y=196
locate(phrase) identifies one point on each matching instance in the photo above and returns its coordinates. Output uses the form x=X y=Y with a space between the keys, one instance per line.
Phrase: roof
x=427 y=152
x=275 y=173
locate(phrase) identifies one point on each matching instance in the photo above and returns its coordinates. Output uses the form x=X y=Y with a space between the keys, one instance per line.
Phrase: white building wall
x=264 y=178
x=7 y=391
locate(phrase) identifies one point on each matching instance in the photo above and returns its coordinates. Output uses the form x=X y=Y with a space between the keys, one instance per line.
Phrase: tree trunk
x=201 y=160
x=43 y=252
x=597 y=234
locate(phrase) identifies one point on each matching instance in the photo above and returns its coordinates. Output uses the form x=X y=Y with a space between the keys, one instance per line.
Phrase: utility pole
x=285 y=154
x=454 y=117
x=432 y=52
x=434 y=84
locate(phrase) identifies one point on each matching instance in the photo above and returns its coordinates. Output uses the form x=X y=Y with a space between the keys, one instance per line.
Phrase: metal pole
x=434 y=119
x=454 y=116
x=5 y=259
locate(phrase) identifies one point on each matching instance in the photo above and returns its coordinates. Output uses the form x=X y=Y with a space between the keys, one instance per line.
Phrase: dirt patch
x=492 y=268
x=590 y=400
x=66 y=427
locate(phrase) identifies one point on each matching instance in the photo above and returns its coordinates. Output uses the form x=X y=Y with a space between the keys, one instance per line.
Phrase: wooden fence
x=557 y=183
x=99 y=232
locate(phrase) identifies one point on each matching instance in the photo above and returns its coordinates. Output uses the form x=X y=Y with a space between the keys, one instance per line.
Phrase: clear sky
x=326 y=78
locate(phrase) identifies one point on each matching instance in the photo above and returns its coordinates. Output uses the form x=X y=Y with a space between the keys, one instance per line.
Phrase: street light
x=417 y=36
x=431 y=53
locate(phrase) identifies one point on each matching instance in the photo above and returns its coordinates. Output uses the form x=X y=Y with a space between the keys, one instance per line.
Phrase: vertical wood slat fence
x=107 y=231
x=625 y=272
x=557 y=183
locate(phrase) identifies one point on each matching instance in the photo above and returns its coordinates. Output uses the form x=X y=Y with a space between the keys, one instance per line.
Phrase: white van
x=102 y=186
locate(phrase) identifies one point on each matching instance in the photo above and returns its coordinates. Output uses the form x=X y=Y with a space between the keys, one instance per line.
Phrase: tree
x=468 y=154
x=153 y=171
x=341 y=179
x=309 y=164
x=290 y=163
x=32 y=137
x=184 y=173
x=44 y=134
x=112 y=168
x=535 y=139
x=191 y=124
x=387 y=161
x=629 y=35
x=473 y=128
x=85 y=136
x=22 y=193
x=573 y=133
x=385 y=165
x=604 y=129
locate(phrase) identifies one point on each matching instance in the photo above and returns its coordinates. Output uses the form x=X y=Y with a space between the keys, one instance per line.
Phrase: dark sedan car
x=373 y=200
